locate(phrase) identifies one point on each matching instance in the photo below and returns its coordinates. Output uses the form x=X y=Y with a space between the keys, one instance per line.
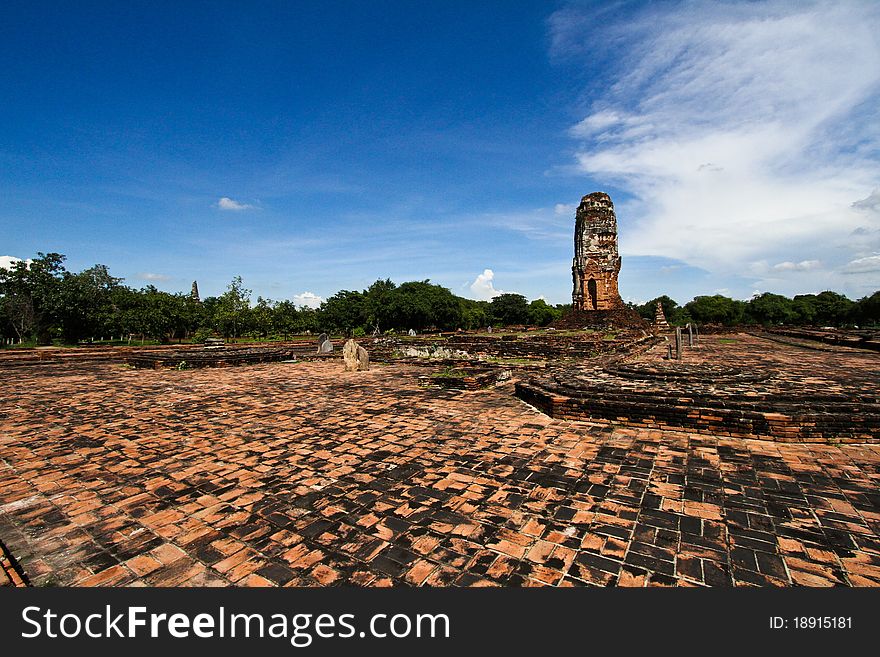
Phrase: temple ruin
x=595 y=299
x=660 y=323
x=596 y=261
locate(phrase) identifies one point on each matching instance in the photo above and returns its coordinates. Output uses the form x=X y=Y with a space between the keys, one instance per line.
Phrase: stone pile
x=660 y=323
x=355 y=356
x=325 y=346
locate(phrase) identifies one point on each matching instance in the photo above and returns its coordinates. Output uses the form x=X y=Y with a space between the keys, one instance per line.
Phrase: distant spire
x=194 y=293
x=660 y=317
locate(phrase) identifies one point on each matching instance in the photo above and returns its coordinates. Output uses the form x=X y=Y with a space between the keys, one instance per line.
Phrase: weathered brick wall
x=864 y=339
x=11 y=573
x=596 y=261
x=544 y=346
x=850 y=423
x=725 y=387
x=97 y=354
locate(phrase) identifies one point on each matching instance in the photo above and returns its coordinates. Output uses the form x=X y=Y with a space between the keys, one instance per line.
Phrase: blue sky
x=317 y=146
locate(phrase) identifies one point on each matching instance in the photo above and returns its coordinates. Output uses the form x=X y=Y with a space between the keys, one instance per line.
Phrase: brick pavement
x=305 y=475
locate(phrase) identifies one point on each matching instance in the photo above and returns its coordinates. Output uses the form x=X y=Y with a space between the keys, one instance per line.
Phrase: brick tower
x=596 y=261
x=660 y=322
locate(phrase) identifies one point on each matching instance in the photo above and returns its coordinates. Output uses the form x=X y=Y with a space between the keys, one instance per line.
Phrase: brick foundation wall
x=850 y=424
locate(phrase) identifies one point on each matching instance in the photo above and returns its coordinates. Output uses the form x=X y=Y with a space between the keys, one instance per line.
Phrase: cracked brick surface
x=305 y=475
x=741 y=386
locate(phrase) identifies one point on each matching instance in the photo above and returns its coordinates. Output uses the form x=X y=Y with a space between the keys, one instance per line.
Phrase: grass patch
x=726 y=340
x=513 y=361
x=449 y=372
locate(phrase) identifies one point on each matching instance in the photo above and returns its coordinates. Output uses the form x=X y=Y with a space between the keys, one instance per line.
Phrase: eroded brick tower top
x=596 y=261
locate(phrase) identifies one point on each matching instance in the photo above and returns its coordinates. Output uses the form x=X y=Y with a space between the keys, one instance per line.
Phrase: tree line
x=823 y=309
x=42 y=302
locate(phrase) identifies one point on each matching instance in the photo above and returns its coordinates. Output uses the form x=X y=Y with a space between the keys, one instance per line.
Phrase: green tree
x=716 y=309
x=377 y=299
x=510 y=309
x=867 y=310
x=344 y=311
x=262 y=316
x=84 y=306
x=233 y=306
x=420 y=305
x=285 y=318
x=671 y=309
x=804 y=308
x=210 y=308
x=195 y=315
x=128 y=311
x=541 y=313
x=30 y=295
x=474 y=314
x=157 y=314
x=18 y=307
x=833 y=309
x=308 y=320
x=768 y=308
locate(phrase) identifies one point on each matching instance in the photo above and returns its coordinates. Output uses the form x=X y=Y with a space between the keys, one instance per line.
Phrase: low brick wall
x=540 y=346
x=97 y=354
x=708 y=396
x=210 y=357
x=853 y=338
x=850 y=423
x=472 y=379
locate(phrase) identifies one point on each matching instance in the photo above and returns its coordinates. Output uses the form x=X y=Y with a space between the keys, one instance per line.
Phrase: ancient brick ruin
x=751 y=458
x=203 y=477
x=596 y=261
x=660 y=323
x=595 y=299
x=703 y=395
x=731 y=387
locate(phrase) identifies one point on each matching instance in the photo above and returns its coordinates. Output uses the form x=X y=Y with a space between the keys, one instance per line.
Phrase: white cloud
x=803 y=265
x=564 y=209
x=598 y=121
x=870 y=203
x=150 y=276
x=541 y=224
x=864 y=265
x=743 y=131
x=483 y=288
x=7 y=261
x=226 y=203
x=308 y=299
